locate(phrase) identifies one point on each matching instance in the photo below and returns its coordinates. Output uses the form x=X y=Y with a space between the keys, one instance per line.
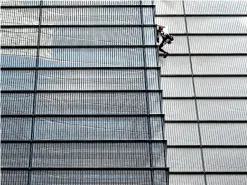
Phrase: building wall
x=204 y=91
x=81 y=99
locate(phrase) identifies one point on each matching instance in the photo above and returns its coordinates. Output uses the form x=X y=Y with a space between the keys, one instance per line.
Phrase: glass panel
x=19 y=36
x=225 y=159
x=16 y=128
x=92 y=80
x=217 y=24
x=91 y=16
x=184 y=159
x=182 y=133
x=219 y=64
x=226 y=179
x=180 y=45
x=18 y=80
x=149 y=34
x=160 y=177
x=94 y=177
x=23 y=16
x=92 y=57
x=151 y=57
x=174 y=24
x=177 y=87
x=154 y=103
x=148 y=14
x=91 y=2
x=222 y=109
x=110 y=128
x=179 y=109
x=91 y=103
x=92 y=155
x=14 y=177
x=218 y=44
x=157 y=124
x=168 y=7
x=216 y=7
x=18 y=57
x=152 y=78
x=92 y=36
x=224 y=86
x=158 y=154
x=15 y=154
x=224 y=134
x=175 y=179
x=20 y=3
x=17 y=103
x=175 y=65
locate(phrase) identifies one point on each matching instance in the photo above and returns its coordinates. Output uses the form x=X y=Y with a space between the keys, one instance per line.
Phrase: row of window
x=82 y=103
x=83 y=128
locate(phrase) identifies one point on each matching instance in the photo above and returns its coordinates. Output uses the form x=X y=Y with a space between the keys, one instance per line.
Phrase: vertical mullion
x=34 y=95
x=147 y=94
x=194 y=91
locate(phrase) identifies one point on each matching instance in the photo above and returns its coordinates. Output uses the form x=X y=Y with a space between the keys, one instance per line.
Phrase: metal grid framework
x=204 y=91
x=79 y=106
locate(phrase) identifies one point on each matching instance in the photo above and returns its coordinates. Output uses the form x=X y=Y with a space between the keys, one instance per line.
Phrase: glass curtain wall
x=81 y=98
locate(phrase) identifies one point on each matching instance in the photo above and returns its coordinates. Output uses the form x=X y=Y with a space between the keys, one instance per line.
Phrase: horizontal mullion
x=206 y=146
x=204 y=75
x=208 y=173
x=80 y=46
x=80 y=68
x=205 y=121
x=79 y=91
x=78 y=6
x=207 y=97
x=75 y=26
x=87 y=169
x=205 y=54
x=201 y=15
x=83 y=141
x=84 y=115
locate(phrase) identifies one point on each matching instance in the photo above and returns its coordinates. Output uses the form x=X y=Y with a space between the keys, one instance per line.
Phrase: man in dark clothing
x=166 y=38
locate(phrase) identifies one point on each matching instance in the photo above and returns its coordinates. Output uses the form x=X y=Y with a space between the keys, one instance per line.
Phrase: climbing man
x=166 y=38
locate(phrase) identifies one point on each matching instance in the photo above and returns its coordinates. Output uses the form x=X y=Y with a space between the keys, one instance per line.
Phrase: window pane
x=91 y=16
x=20 y=3
x=78 y=155
x=92 y=80
x=184 y=159
x=148 y=14
x=19 y=36
x=179 y=109
x=17 y=103
x=216 y=7
x=14 y=177
x=152 y=78
x=177 y=87
x=222 y=109
x=160 y=177
x=226 y=179
x=18 y=80
x=224 y=86
x=224 y=134
x=157 y=127
x=219 y=64
x=22 y=16
x=175 y=65
x=91 y=2
x=217 y=24
x=92 y=57
x=180 y=45
x=168 y=7
x=16 y=128
x=225 y=159
x=110 y=128
x=15 y=154
x=94 y=177
x=182 y=133
x=91 y=103
x=92 y=36
x=186 y=179
x=154 y=103
x=174 y=24
x=218 y=44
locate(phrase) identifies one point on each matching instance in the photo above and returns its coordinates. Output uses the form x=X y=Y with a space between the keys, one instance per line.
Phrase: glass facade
x=204 y=91
x=81 y=97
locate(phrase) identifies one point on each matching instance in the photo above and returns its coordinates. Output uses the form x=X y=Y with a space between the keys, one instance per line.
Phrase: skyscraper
x=81 y=94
